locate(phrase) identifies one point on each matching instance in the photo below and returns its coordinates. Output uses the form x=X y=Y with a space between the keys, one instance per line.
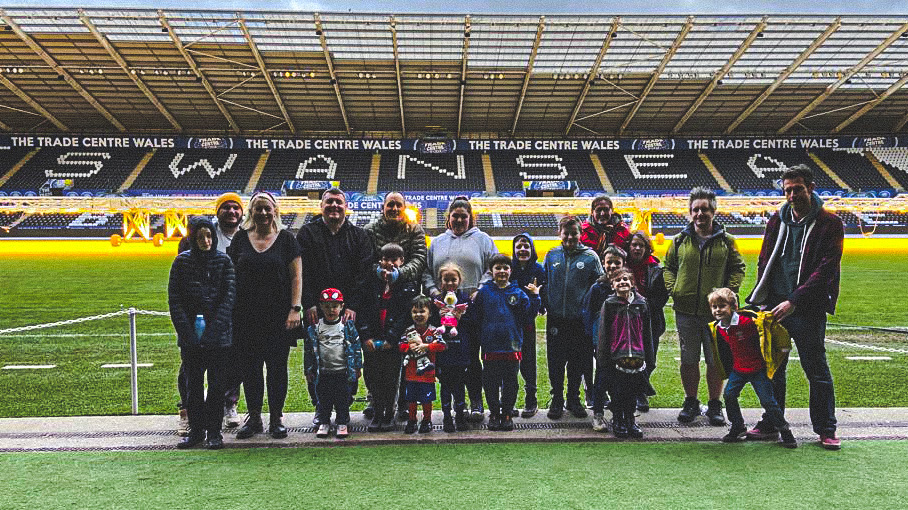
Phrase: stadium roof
x=317 y=74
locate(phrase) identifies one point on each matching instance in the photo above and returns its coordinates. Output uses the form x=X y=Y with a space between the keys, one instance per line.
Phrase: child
x=750 y=345
x=525 y=270
x=420 y=342
x=650 y=284
x=452 y=363
x=625 y=350
x=571 y=269
x=501 y=310
x=386 y=318
x=613 y=258
x=333 y=359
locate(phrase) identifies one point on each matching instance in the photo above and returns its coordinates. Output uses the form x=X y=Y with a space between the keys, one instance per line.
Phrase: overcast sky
x=510 y=7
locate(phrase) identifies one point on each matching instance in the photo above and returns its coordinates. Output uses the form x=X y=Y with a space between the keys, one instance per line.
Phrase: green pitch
x=39 y=289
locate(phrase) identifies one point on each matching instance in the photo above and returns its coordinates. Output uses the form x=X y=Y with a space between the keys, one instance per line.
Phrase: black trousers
x=205 y=414
x=474 y=380
x=499 y=379
x=453 y=386
x=528 y=365
x=381 y=373
x=253 y=359
x=567 y=347
x=625 y=389
x=232 y=379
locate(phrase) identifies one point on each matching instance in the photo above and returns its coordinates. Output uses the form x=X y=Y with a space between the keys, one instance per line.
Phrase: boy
x=525 y=270
x=385 y=317
x=501 y=311
x=571 y=269
x=420 y=343
x=750 y=346
x=625 y=350
x=333 y=359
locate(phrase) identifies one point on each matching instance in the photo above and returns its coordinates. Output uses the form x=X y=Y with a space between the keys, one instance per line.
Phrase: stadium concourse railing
x=137 y=210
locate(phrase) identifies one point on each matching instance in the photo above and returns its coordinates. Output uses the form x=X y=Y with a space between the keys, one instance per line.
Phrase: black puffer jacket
x=202 y=282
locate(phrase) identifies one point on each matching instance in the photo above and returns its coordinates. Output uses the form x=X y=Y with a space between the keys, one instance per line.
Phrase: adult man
x=702 y=257
x=798 y=279
x=393 y=227
x=336 y=254
x=228 y=210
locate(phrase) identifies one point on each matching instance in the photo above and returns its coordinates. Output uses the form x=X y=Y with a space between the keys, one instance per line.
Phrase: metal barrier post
x=134 y=361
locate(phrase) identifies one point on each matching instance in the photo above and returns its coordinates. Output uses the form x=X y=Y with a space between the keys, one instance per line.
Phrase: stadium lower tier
x=24 y=225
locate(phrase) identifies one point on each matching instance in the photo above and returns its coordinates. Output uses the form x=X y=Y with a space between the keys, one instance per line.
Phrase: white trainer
x=599 y=424
x=322 y=430
x=342 y=431
x=231 y=418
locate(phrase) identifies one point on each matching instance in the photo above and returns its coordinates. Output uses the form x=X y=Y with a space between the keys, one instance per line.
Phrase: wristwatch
x=296 y=308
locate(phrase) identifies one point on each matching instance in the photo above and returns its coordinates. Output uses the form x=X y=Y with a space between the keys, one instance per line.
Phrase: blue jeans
x=808 y=330
x=763 y=388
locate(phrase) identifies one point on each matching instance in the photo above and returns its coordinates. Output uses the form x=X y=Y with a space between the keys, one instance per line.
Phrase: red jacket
x=590 y=236
x=818 y=279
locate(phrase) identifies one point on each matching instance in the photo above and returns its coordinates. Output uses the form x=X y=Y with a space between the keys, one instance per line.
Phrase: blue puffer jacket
x=202 y=283
x=352 y=351
x=533 y=270
x=500 y=315
x=570 y=275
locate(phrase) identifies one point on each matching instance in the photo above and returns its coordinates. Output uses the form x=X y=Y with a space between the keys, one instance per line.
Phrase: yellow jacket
x=775 y=343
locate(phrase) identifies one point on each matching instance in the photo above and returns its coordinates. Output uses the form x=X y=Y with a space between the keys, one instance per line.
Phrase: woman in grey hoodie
x=471 y=249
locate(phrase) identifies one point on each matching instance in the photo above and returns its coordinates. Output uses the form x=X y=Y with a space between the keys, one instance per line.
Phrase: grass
x=865 y=474
x=38 y=289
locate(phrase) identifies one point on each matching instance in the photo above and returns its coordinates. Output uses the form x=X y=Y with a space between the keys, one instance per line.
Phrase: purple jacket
x=820 y=269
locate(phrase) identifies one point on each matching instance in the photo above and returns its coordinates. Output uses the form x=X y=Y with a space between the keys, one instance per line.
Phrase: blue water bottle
x=199 y=326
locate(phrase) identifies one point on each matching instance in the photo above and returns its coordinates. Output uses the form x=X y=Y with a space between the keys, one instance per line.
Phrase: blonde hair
x=249 y=224
x=723 y=295
x=450 y=267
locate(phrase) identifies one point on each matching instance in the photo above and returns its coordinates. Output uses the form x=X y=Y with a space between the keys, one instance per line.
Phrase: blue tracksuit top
x=570 y=276
x=500 y=316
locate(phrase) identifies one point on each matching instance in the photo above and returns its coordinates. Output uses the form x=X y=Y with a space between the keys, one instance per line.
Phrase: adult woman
x=650 y=284
x=471 y=249
x=702 y=257
x=202 y=284
x=604 y=226
x=269 y=288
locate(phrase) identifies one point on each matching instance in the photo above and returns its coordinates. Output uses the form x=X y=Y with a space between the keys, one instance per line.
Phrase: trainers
x=191 y=441
x=556 y=410
x=425 y=426
x=411 y=427
x=735 y=434
x=577 y=410
x=714 y=413
x=342 y=431
x=599 y=422
x=183 y=427
x=322 y=431
x=277 y=429
x=830 y=442
x=387 y=422
x=369 y=412
x=507 y=423
x=529 y=410
x=402 y=413
x=494 y=422
x=375 y=424
x=231 y=417
x=447 y=424
x=690 y=410
x=619 y=428
x=460 y=421
x=787 y=439
x=762 y=432
x=477 y=413
x=252 y=427
x=643 y=404
x=215 y=442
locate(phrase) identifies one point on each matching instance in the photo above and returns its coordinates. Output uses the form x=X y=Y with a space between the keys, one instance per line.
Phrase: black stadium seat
x=197 y=171
x=351 y=168
x=656 y=171
x=90 y=169
x=413 y=171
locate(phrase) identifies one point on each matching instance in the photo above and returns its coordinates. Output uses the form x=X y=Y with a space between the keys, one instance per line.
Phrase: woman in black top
x=269 y=287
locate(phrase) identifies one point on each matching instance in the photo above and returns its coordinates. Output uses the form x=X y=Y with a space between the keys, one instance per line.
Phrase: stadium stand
x=760 y=169
x=511 y=168
x=90 y=169
x=197 y=171
x=895 y=159
x=9 y=156
x=413 y=171
x=351 y=168
x=854 y=168
x=656 y=171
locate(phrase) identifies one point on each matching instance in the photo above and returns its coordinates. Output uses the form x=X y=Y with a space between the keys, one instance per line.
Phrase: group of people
x=377 y=303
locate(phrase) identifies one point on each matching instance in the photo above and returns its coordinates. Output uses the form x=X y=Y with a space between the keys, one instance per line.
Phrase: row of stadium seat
x=215 y=170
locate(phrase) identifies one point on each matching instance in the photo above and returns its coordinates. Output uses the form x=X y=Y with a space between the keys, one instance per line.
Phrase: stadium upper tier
x=179 y=70
x=175 y=171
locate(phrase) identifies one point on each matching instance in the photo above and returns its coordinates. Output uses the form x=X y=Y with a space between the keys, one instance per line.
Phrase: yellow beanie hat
x=228 y=197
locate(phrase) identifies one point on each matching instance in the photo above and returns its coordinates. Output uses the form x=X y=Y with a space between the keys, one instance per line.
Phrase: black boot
x=461 y=423
x=633 y=430
x=377 y=416
x=448 y=422
x=387 y=421
x=277 y=429
x=619 y=425
x=251 y=427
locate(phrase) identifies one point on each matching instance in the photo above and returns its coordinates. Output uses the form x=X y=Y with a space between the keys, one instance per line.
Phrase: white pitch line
x=27 y=367
x=868 y=358
x=125 y=365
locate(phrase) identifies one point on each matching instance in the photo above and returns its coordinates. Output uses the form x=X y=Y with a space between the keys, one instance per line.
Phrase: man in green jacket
x=702 y=257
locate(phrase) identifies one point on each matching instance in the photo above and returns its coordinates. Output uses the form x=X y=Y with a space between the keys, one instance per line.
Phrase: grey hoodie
x=470 y=250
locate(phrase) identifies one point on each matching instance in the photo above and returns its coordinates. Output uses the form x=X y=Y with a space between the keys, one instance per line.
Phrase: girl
x=452 y=363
